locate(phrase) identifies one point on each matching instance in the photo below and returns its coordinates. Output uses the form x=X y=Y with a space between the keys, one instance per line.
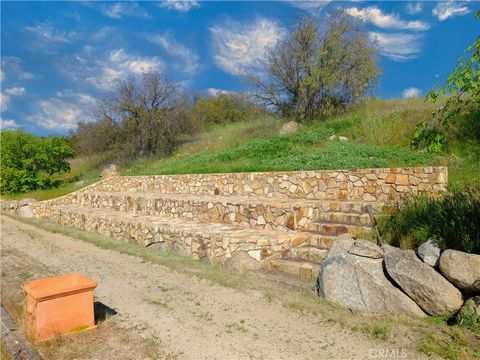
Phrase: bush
x=225 y=108
x=452 y=220
x=30 y=162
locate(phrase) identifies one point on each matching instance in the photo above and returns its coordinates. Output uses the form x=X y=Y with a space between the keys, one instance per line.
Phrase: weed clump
x=452 y=220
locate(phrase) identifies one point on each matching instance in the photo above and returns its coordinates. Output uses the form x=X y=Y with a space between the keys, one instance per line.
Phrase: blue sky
x=59 y=58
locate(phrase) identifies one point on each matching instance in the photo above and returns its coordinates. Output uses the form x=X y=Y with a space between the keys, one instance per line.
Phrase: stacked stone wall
x=380 y=185
x=366 y=185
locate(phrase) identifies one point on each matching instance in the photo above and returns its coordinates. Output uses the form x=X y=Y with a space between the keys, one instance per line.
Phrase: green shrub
x=224 y=108
x=30 y=162
x=453 y=220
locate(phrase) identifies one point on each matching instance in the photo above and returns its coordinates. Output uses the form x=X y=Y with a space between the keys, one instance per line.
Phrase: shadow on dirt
x=102 y=311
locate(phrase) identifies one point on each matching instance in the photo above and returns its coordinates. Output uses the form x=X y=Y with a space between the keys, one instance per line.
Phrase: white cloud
x=411 y=92
x=4 y=101
x=121 y=9
x=5 y=96
x=104 y=33
x=445 y=10
x=12 y=68
x=175 y=49
x=217 y=92
x=119 y=65
x=180 y=5
x=8 y=124
x=238 y=47
x=397 y=46
x=2 y=75
x=48 y=34
x=62 y=112
x=414 y=8
x=375 y=16
x=310 y=6
x=15 y=91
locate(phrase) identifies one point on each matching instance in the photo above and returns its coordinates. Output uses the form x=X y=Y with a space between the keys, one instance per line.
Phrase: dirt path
x=191 y=318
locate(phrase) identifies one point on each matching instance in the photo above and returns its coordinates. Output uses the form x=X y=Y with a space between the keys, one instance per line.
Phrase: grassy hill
x=379 y=133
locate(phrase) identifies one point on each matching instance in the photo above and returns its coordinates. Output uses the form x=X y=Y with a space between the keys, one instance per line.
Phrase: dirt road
x=191 y=318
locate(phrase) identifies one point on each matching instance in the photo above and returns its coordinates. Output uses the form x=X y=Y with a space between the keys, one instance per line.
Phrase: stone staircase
x=201 y=217
x=294 y=235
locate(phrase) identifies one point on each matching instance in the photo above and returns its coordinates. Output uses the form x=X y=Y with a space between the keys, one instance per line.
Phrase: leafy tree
x=463 y=103
x=30 y=162
x=144 y=117
x=309 y=74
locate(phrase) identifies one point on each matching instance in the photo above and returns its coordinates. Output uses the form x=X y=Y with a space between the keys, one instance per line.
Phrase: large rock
x=386 y=248
x=430 y=290
x=27 y=201
x=26 y=211
x=111 y=170
x=358 y=282
x=290 y=127
x=366 y=248
x=462 y=269
x=241 y=262
x=429 y=252
x=80 y=183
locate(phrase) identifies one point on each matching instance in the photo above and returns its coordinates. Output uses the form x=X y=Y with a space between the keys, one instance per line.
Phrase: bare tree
x=143 y=118
x=309 y=73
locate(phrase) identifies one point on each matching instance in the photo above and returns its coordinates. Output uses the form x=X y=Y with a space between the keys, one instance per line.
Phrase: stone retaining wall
x=370 y=185
x=357 y=185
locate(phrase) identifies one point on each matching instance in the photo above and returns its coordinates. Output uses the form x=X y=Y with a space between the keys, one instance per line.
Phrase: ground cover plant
x=305 y=150
x=452 y=220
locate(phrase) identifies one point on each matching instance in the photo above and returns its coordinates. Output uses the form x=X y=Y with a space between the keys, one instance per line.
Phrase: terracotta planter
x=59 y=305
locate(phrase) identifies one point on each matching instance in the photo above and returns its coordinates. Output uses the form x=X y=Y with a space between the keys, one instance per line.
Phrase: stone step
x=336 y=229
x=196 y=239
x=308 y=253
x=246 y=211
x=345 y=218
x=322 y=240
x=296 y=267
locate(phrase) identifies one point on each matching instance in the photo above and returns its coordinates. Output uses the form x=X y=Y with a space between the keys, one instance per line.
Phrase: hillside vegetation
x=379 y=134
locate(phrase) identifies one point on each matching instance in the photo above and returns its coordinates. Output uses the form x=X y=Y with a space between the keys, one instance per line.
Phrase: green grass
x=308 y=149
x=160 y=303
